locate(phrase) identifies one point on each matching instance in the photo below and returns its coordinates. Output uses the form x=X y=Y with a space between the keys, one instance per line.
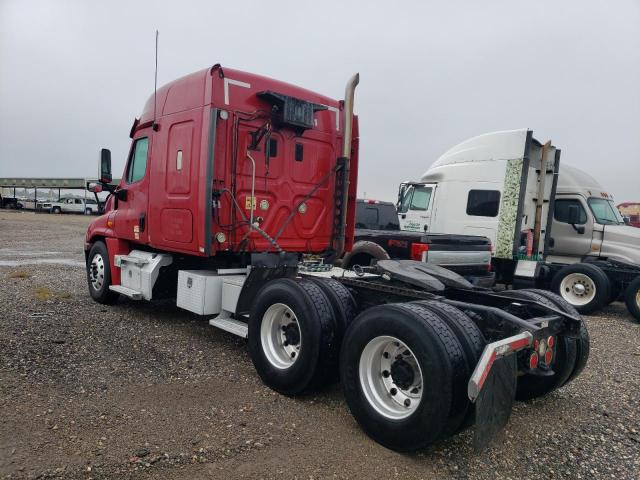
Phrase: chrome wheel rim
x=578 y=289
x=96 y=272
x=280 y=336
x=390 y=377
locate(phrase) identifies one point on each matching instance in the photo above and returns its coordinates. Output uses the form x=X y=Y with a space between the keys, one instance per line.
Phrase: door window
x=561 y=211
x=138 y=162
x=421 y=197
x=483 y=203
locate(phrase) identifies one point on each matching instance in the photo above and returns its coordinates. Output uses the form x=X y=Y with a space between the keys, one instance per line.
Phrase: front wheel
x=632 y=298
x=99 y=274
x=586 y=287
x=56 y=210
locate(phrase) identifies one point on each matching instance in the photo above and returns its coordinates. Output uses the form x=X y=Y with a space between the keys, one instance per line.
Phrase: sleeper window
x=483 y=203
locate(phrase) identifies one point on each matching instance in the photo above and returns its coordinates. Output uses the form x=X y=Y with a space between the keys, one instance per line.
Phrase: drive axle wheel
x=632 y=298
x=292 y=336
x=402 y=371
x=280 y=335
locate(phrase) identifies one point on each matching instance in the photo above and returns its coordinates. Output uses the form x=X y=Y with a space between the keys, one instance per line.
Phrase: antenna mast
x=155 y=88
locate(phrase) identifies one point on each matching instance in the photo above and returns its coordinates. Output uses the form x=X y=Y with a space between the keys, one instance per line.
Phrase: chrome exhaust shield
x=345 y=159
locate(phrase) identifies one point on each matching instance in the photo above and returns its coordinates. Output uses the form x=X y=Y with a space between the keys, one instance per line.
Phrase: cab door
x=133 y=202
x=567 y=239
x=415 y=207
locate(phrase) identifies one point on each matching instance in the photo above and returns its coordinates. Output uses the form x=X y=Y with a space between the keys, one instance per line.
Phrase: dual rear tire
x=295 y=330
x=404 y=367
x=404 y=370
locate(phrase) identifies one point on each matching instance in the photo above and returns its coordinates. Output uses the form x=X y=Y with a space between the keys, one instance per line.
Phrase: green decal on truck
x=509 y=209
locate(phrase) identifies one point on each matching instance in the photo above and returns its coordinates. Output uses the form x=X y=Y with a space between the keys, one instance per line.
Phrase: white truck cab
x=586 y=222
x=488 y=185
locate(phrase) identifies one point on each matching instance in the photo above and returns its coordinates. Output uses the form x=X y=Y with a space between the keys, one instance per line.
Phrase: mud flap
x=493 y=405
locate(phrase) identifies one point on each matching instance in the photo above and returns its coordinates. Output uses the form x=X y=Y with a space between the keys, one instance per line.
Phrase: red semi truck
x=232 y=181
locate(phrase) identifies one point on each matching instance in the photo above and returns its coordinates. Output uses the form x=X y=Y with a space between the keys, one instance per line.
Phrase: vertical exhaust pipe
x=345 y=159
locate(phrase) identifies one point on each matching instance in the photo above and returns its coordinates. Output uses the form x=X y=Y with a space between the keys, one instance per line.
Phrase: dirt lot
x=143 y=390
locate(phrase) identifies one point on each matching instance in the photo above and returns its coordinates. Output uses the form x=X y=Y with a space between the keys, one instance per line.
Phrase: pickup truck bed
x=467 y=255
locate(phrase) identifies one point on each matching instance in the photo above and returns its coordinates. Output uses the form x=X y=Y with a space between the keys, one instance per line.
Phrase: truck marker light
x=533 y=361
x=550 y=342
x=417 y=249
x=220 y=237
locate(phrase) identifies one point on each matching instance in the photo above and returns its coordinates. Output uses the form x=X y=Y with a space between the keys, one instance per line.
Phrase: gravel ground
x=143 y=390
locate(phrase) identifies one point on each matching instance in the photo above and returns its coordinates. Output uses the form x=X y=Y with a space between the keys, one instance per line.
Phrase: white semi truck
x=553 y=227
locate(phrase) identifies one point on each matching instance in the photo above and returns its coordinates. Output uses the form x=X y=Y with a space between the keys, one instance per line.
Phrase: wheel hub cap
x=390 y=377
x=578 y=289
x=96 y=272
x=402 y=374
x=280 y=336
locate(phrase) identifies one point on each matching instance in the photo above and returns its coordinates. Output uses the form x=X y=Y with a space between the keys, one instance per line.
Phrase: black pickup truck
x=378 y=236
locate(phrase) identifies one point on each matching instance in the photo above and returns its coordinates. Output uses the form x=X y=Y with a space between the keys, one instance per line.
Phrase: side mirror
x=105 y=166
x=94 y=187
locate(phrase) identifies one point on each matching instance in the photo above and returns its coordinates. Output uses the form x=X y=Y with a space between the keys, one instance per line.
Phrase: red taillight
x=533 y=361
x=548 y=356
x=550 y=342
x=536 y=344
x=417 y=249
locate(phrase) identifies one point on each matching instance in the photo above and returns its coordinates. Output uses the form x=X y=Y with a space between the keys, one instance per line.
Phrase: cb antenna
x=155 y=88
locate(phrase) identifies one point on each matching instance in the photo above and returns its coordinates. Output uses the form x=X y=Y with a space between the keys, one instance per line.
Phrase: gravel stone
x=85 y=389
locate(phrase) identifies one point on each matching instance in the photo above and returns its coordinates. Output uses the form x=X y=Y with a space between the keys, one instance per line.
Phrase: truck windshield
x=416 y=197
x=604 y=211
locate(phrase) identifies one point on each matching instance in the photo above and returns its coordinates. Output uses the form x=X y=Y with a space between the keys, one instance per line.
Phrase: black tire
x=318 y=356
x=472 y=342
x=88 y=211
x=56 y=210
x=364 y=253
x=582 y=343
x=344 y=306
x=563 y=362
x=632 y=298
x=435 y=349
x=100 y=294
x=596 y=279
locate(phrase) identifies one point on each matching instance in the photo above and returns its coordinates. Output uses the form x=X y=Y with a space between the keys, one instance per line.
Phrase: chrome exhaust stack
x=343 y=195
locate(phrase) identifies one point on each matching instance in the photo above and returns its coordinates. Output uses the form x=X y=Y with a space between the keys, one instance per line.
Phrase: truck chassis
x=420 y=352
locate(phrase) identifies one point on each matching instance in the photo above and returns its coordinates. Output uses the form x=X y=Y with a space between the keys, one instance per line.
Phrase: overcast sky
x=74 y=74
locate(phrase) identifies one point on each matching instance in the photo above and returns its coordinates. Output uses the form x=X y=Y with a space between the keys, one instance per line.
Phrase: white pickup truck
x=72 y=205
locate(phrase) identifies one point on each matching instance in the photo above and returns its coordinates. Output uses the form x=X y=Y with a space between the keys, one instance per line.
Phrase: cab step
x=127 y=292
x=231 y=325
